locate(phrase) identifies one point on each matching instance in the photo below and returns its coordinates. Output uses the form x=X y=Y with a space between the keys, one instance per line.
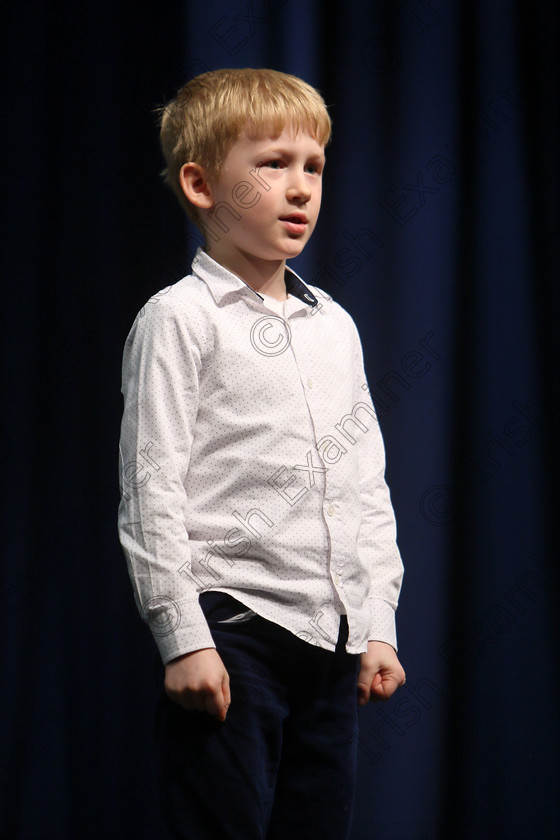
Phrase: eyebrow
x=281 y=150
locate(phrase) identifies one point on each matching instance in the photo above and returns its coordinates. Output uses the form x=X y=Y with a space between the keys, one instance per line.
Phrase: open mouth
x=294 y=218
x=295 y=222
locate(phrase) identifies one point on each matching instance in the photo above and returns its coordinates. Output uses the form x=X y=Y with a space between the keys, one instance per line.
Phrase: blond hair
x=208 y=114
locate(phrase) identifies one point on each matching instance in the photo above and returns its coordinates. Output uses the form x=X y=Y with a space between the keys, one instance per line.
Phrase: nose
x=298 y=188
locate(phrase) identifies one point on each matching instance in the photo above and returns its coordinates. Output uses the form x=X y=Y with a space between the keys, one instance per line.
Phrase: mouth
x=295 y=222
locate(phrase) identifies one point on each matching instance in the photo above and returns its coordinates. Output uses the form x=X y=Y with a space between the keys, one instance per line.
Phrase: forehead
x=298 y=138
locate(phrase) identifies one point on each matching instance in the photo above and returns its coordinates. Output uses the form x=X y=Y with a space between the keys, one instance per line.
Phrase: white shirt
x=252 y=463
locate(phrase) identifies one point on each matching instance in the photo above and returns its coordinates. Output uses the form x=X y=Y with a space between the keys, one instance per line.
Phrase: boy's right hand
x=199 y=680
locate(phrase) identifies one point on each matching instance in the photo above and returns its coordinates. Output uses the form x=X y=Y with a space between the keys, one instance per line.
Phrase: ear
x=196 y=186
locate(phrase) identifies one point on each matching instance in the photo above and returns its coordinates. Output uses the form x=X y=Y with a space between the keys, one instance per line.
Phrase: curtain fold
x=439 y=234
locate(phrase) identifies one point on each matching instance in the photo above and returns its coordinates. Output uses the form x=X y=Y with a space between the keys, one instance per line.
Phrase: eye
x=314 y=169
x=272 y=164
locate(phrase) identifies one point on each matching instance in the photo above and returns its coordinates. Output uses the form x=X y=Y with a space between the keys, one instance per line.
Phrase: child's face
x=274 y=185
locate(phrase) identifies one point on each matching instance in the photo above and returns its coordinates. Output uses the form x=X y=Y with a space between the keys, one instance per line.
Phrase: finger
x=201 y=701
x=382 y=689
x=185 y=702
x=217 y=704
x=226 y=692
x=220 y=707
x=377 y=689
x=226 y=687
x=365 y=681
x=364 y=687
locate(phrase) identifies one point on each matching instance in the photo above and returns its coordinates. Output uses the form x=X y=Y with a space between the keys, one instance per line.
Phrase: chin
x=294 y=249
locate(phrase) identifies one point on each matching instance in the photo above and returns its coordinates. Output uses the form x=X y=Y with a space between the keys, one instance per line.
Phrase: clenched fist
x=199 y=680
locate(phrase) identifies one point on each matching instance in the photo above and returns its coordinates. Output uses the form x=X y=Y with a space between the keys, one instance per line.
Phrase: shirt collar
x=222 y=282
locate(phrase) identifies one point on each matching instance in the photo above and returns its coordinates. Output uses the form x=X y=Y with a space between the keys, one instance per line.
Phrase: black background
x=442 y=185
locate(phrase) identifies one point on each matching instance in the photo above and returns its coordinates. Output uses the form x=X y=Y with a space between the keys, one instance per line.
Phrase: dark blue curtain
x=439 y=233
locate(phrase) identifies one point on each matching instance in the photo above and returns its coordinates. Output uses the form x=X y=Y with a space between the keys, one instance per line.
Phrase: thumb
x=223 y=698
x=226 y=693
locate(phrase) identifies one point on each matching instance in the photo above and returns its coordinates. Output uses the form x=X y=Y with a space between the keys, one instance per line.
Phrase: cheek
x=265 y=204
x=255 y=218
x=317 y=200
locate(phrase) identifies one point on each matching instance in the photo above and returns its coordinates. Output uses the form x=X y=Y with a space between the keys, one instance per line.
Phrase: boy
x=255 y=518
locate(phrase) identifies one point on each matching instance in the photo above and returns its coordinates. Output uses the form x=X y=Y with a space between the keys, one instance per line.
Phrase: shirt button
x=310 y=383
x=330 y=510
x=337 y=578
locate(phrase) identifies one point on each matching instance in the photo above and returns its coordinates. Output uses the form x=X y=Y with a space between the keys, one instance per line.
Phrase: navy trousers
x=282 y=766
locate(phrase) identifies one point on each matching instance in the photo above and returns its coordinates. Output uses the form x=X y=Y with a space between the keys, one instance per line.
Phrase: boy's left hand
x=381 y=673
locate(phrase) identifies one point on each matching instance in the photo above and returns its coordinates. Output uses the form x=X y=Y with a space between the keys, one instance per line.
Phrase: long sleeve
x=377 y=543
x=160 y=385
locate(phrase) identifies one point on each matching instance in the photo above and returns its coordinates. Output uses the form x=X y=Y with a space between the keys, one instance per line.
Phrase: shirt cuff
x=382 y=623
x=178 y=627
